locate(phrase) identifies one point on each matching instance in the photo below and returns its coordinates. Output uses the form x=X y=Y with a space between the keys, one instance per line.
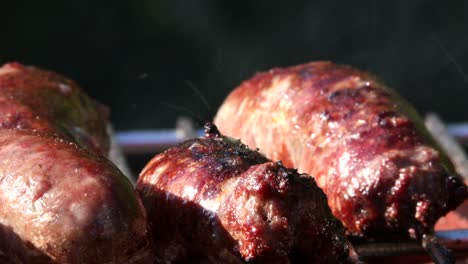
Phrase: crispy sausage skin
x=32 y=98
x=213 y=198
x=60 y=203
x=367 y=148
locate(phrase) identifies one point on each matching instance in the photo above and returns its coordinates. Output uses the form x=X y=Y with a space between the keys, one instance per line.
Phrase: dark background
x=152 y=61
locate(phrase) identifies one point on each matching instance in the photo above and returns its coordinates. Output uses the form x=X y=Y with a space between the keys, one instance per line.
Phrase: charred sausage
x=383 y=174
x=213 y=198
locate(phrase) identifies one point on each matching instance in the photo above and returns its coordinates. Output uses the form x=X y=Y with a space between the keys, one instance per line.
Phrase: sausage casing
x=63 y=204
x=40 y=100
x=214 y=198
x=61 y=200
x=366 y=147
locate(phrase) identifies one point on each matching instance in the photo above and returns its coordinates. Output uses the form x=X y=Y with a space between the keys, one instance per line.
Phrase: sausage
x=214 y=199
x=61 y=200
x=383 y=174
x=63 y=204
x=33 y=98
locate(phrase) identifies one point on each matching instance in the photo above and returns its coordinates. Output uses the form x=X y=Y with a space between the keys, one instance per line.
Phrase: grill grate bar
x=154 y=141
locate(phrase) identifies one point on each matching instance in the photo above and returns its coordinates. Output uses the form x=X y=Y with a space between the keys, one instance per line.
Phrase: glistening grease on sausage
x=66 y=204
x=367 y=149
x=40 y=100
x=213 y=198
x=60 y=200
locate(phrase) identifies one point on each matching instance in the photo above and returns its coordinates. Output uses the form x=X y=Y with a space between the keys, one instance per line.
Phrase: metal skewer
x=439 y=253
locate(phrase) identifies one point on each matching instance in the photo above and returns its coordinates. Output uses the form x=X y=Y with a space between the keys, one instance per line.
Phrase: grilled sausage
x=212 y=198
x=60 y=200
x=32 y=98
x=382 y=172
x=62 y=204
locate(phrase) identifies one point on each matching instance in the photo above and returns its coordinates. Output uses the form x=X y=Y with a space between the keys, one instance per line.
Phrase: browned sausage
x=60 y=200
x=62 y=204
x=32 y=98
x=214 y=198
x=382 y=172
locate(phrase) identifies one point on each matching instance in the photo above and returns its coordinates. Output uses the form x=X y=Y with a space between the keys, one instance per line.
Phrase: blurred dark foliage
x=152 y=61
